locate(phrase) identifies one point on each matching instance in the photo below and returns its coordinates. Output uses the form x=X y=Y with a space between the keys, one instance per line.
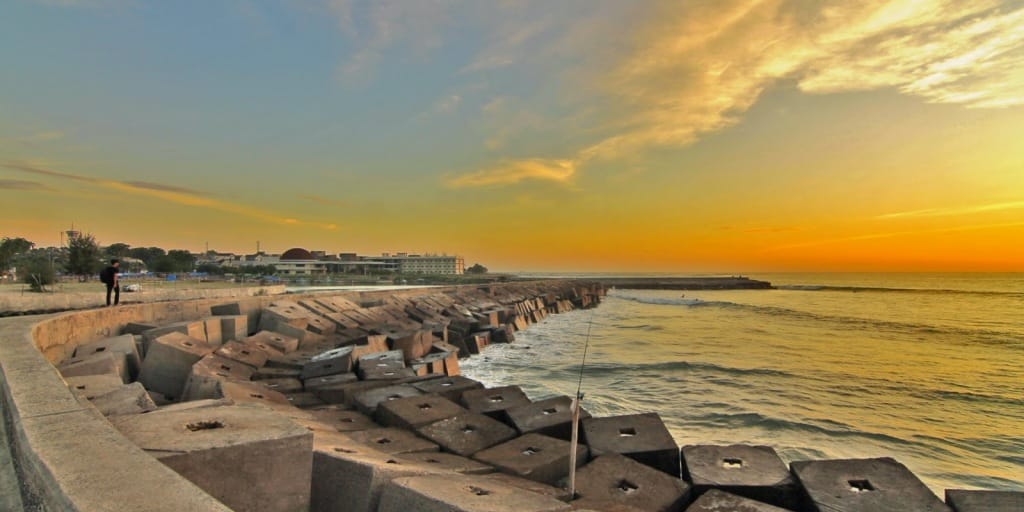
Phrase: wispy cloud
x=895 y=234
x=692 y=68
x=506 y=173
x=21 y=185
x=959 y=210
x=168 y=193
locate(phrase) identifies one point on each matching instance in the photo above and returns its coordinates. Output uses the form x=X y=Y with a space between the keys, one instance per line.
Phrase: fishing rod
x=576 y=414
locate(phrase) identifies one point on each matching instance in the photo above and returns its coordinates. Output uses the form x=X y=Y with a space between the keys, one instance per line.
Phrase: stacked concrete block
x=985 y=501
x=343 y=420
x=331 y=362
x=330 y=388
x=451 y=388
x=248 y=355
x=303 y=400
x=251 y=313
x=137 y=328
x=448 y=462
x=249 y=458
x=618 y=479
x=251 y=393
x=193 y=329
x=368 y=400
x=416 y=411
x=754 y=472
x=861 y=485
x=494 y=402
x=128 y=399
x=206 y=374
x=103 y=363
x=124 y=344
x=351 y=478
x=467 y=433
x=462 y=493
x=413 y=345
x=92 y=386
x=382 y=365
x=279 y=342
x=534 y=457
x=392 y=440
x=214 y=332
x=641 y=437
x=717 y=501
x=283 y=313
x=234 y=327
x=552 y=417
x=477 y=341
x=272 y=372
x=282 y=385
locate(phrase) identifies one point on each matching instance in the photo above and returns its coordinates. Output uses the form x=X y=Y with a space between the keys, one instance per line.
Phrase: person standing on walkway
x=109 y=278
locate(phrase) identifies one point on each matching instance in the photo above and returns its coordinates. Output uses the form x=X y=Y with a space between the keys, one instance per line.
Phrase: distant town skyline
x=581 y=135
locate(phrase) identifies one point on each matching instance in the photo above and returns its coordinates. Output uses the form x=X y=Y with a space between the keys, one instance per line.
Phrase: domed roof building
x=297 y=253
x=300 y=262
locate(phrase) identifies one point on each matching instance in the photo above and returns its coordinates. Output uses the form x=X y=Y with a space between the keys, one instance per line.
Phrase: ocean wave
x=666 y=367
x=884 y=289
x=770 y=424
x=978 y=335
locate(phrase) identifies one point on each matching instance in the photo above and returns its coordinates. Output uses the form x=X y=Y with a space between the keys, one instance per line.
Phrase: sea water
x=925 y=368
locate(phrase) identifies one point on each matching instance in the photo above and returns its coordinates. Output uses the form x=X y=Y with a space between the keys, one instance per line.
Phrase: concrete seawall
x=66 y=454
x=29 y=303
x=684 y=283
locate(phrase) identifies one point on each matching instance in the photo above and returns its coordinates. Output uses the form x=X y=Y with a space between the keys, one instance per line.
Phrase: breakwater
x=684 y=283
x=354 y=402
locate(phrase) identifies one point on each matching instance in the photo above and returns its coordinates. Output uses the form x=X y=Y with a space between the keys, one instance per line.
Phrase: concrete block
x=92 y=386
x=252 y=313
x=214 y=333
x=193 y=329
x=413 y=345
x=160 y=399
x=249 y=458
x=283 y=385
x=369 y=344
x=494 y=401
x=334 y=361
x=304 y=399
x=234 y=327
x=137 y=328
x=197 y=404
x=533 y=456
x=467 y=433
x=344 y=420
x=618 y=479
x=451 y=388
x=237 y=351
x=283 y=313
x=344 y=392
x=294 y=360
x=279 y=342
x=410 y=413
x=392 y=440
x=169 y=361
x=368 y=400
x=104 y=363
x=530 y=486
x=204 y=379
x=124 y=344
x=477 y=341
x=551 y=417
x=250 y=393
x=270 y=372
x=388 y=374
x=462 y=493
x=128 y=399
x=754 y=472
x=430 y=364
x=448 y=462
x=717 y=501
x=590 y=505
x=351 y=478
x=855 y=485
x=641 y=437
x=985 y=501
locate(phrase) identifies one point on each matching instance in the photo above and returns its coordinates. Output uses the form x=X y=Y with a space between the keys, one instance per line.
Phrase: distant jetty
x=685 y=283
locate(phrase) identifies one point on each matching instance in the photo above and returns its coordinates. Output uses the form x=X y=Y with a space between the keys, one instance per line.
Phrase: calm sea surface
x=926 y=368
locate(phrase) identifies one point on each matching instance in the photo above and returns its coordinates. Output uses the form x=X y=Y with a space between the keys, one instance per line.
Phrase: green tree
x=210 y=268
x=118 y=250
x=37 y=271
x=476 y=269
x=149 y=255
x=10 y=248
x=84 y=256
x=181 y=260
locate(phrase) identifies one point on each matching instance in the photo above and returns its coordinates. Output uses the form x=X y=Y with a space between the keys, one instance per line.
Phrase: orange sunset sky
x=596 y=135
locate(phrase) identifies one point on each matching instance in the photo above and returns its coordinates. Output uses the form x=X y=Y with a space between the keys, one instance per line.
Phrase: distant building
x=300 y=262
x=420 y=264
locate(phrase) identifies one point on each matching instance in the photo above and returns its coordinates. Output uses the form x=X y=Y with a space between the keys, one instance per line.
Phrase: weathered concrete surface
x=467 y=433
x=494 y=401
x=124 y=344
x=462 y=493
x=249 y=457
x=641 y=437
x=719 y=501
x=392 y=440
x=10 y=484
x=128 y=399
x=985 y=501
x=755 y=472
x=29 y=303
x=451 y=388
x=619 y=479
x=551 y=417
x=169 y=361
x=412 y=412
x=92 y=386
x=449 y=462
x=862 y=485
x=534 y=457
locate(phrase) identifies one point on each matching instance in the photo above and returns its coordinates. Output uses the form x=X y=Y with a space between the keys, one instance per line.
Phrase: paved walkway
x=10 y=489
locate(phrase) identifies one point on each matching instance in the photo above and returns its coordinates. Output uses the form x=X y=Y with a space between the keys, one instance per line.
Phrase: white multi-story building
x=420 y=264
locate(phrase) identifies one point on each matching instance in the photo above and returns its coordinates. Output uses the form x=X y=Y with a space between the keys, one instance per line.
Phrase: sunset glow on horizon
x=581 y=135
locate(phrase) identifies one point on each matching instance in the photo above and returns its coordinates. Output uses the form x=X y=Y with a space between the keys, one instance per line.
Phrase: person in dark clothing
x=109 y=278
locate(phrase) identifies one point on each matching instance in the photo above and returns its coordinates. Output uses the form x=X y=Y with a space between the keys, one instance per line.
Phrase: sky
x=576 y=135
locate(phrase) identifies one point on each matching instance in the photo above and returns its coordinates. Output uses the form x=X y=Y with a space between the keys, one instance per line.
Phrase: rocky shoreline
x=331 y=402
